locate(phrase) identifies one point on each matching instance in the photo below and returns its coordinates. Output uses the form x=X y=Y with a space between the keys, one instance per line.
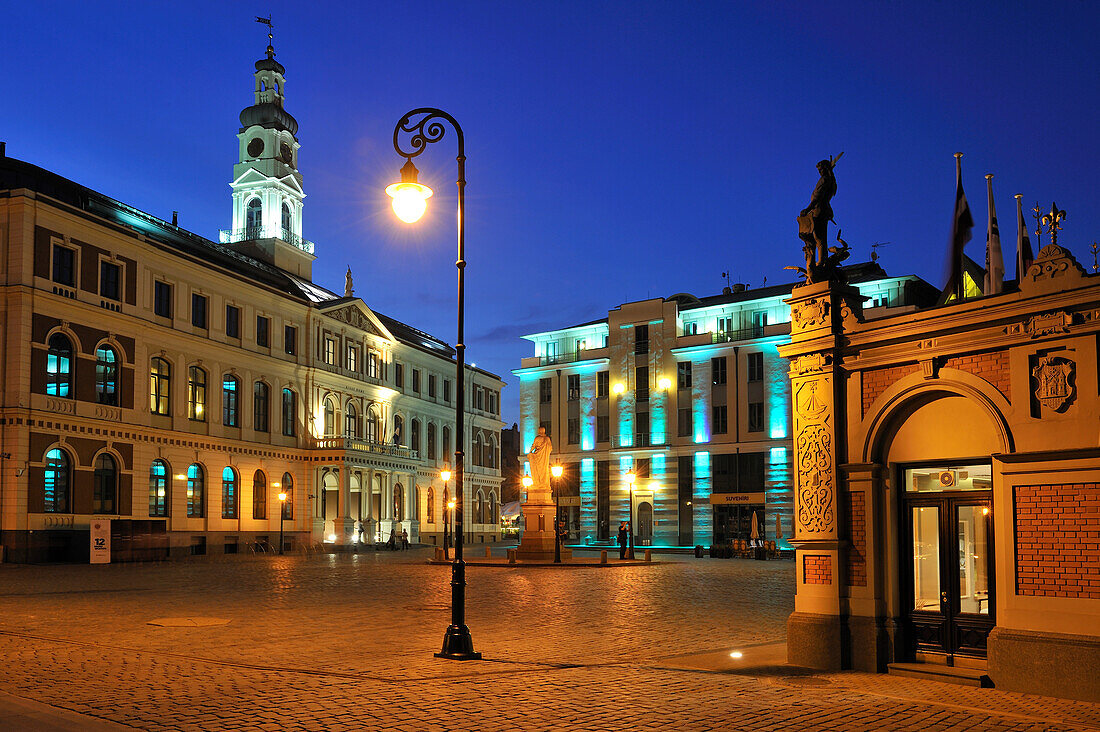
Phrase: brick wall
x=1058 y=540
x=856 y=559
x=876 y=381
x=817 y=569
x=991 y=366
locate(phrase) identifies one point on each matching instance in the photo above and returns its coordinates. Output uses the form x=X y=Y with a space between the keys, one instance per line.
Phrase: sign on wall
x=736 y=499
x=100 y=537
x=569 y=500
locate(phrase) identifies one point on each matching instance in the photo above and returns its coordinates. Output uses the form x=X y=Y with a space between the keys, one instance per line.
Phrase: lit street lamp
x=423 y=126
x=445 y=474
x=630 y=478
x=555 y=471
x=282 y=515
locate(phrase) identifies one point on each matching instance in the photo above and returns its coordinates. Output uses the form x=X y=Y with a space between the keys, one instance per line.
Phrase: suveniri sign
x=736 y=499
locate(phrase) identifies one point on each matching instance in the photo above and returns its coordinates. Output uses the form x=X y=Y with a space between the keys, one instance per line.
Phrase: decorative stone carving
x=64 y=406
x=929 y=368
x=810 y=363
x=354 y=317
x=810 y=314
x=1056 y=388
x=1054 y=267
x=814 y=452
x=926 y=344
x=1049 y=324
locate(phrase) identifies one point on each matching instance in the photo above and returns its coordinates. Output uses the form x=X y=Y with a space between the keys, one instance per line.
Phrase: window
x=431 y=506
x=106 y=376
x=545 y=391
x=416 y=381
x=259 y=495
x=399 y=375
x=641 y=428
x=351 y=360
x=691 y=328
x=261 y=397
x=759 y=323
x=351 y=421
x=56 y=481
x=290 y=340
x=603 y=431
x=725 y=329
x=479 y=398
x=372 y=365
x=198 y=310
x=602 y=382
x=253 y=219
x=329 y=418
x=479 y=508
x=196 y=394
x=286 y=219
x=447 y=390
x=398 y=503
x=63 y=265
x=162 y=299
x=683 y=375
x=718 y=420
x=288 y=488
x=683 y=422
x=446 y=442
x=431 y=386
x=431 y=441
x=546 y=426
x=494 y=402
x=158 y=488
x=718 y=370
x=371 y=426
x=290 y=412
x=59 y=366
x=479 y=450
x=160 y=387
x=398 y=429
x=232 y=321
x=110 y=276
x=573 y=385
x=573 y=433
x=196 y=491
x=756 y=366
x=414 y=443
x=641 y=383
x=231 y=388
x=756 y=417
x=330 y=351
x=229 y=493
x=641 y=339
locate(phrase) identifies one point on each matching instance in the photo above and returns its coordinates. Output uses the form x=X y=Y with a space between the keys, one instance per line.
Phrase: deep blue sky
x=617 y=151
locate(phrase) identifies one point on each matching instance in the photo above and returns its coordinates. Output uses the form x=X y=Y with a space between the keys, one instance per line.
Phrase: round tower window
x=286 y=153
x=255 y=147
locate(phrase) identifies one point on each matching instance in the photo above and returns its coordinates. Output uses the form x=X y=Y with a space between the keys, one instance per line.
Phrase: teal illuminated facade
x=691 y=395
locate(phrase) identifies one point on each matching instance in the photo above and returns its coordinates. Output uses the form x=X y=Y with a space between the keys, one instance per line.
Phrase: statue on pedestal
x=822 y=261
x=539 y=457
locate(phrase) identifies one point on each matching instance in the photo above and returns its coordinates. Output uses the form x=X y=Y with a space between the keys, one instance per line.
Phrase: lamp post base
x=458 y=645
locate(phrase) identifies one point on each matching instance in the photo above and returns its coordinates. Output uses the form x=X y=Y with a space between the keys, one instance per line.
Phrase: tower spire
x=270 y=35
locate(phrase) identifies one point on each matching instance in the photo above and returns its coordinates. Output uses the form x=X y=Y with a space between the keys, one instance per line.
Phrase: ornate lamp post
x=630 y=478
x=282 y=516
x=423 y=126
x=555 y=472
x=445 y=474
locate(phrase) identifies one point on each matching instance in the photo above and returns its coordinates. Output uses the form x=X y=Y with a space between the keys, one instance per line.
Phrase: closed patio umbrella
x=754 y=532
x=778 y=529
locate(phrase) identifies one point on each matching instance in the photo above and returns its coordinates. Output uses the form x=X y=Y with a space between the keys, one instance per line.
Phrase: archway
x=645 y=523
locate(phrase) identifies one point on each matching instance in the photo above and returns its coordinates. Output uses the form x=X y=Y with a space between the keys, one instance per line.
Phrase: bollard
x=439 y=554
x=488 y=552
x=603 y=557
x=511 y=556
x=647 y=557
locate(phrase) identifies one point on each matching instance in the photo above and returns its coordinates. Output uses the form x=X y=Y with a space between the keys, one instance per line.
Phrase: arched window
x=196 y=393
x=260 y=400
x=491 y=452
x=330 y=418
x=290 y=412
x=231 y=390
x=259 y=495
x=371 y=426
x=253 y=218
x=59 y=366
x=56 y=481
x=446 y=442
x=431 y=440
x=160 y=384
x=479 y=508
x=106 y=376
x=287 y=229
x=287 y=487
x=229 y=493
x=104 y=484
x=351 y=421
x=398 y=429
x=416 y=504
x=478 y=449
x=196 y=491
x=398 y=503
x=414 y=443
x=494 y=515
x=158 y=488
x=431 y=506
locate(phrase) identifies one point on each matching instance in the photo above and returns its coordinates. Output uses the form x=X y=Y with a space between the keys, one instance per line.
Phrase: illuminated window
x=691 y=328
x=104 y=484
x=56 y=480
x=759 y=323
x=351 y=421
x=288 y=488
x=330 y=351
x=229 y=493
x=371 y=427
x=683 y=375
x=196 y=491
x=196 y=394
x=351 y=361
x=261 y=398
x=106 y=376
x=372 y=365
x=330 y=418
x=290 y=412
x=231 y=394
x=259 y=495
x=573 y=384
x=158 y=488
x=253 y=219
x=756 y=366
x=59 y=366
x=756 y=417
x=718 y=371
x=160 y=387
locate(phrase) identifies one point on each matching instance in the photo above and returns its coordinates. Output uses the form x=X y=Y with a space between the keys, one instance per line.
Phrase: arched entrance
x=645 y=523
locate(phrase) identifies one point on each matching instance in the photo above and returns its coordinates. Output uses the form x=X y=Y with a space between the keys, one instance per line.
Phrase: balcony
x=640 y=441
x=359 y=445
x=230 y=236
x=588 y=354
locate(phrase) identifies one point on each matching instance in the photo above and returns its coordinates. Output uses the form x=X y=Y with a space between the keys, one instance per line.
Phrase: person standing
x=623 y=538
x=404 y=538
x=392 y=543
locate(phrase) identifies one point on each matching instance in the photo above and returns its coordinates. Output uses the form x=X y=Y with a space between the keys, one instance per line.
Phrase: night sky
x=616 y=151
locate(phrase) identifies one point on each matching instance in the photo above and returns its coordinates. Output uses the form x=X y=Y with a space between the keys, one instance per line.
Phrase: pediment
x=356 y=314
x=252 y=177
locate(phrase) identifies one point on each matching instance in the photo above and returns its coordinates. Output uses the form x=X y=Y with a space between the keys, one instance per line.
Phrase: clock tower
x=267 y=187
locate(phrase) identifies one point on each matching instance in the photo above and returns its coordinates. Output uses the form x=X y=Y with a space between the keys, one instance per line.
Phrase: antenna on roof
x=874 y=249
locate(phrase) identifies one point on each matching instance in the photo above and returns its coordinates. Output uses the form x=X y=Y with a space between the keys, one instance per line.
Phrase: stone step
x=939 y=672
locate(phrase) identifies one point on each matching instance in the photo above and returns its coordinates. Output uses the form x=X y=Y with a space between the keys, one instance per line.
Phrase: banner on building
x=100 y=538
x=736 y=499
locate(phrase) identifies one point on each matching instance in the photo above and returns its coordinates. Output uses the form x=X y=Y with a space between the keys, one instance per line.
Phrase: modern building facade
x=689 y=394
x=177 y=386
x=948 y=483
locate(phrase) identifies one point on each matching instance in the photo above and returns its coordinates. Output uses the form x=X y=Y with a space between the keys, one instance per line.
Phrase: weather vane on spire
x=270 y=34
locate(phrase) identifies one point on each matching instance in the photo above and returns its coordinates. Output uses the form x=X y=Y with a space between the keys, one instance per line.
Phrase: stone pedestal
x=538 y=529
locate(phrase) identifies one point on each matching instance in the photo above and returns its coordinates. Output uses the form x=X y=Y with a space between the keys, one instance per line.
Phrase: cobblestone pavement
x=346 y=642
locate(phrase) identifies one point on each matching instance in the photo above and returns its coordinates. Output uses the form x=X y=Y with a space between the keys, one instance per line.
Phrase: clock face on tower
x=255 y=147
x=285 y=153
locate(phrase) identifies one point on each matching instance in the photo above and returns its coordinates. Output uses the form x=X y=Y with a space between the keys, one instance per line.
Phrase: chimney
x=3 y=149
x=175 y=218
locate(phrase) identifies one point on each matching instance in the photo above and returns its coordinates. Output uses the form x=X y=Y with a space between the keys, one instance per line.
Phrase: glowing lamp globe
x=664 y=384
x=282 y=496
x=445 y=475
x=556 y=470
x=630 y=478
x=410 y=199
x=451 y=505
x=528 y=481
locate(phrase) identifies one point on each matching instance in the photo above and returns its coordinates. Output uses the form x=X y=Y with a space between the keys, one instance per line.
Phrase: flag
x=1024 y=257
x=994 y=261
x=961 y=225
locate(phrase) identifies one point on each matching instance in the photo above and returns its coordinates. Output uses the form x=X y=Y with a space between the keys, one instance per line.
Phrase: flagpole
x=994 y=259
x=961 y=263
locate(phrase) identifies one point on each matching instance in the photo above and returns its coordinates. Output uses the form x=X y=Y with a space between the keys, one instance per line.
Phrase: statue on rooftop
x=822 y=262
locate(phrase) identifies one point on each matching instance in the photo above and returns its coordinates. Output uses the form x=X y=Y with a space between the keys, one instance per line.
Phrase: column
x=370 y=530
x=344 y=523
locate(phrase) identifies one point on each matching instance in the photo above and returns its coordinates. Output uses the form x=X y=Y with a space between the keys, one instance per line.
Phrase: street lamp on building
x=630 y=478
x=445 y=474
x=555 y=472
x=423 y=126
x=282 y=516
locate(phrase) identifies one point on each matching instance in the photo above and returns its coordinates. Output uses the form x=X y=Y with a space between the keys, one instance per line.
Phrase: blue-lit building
x=690 y=395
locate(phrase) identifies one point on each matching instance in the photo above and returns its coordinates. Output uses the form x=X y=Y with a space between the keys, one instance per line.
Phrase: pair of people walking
x=398 y=542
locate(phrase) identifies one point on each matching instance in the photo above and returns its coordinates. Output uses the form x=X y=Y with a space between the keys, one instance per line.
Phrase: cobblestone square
x=346 y=642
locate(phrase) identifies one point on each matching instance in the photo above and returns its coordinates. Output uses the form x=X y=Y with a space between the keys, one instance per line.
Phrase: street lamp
x=630 y=478
x=282 y=515
x=555 y=471
x=423 y=126
x=447 y=526
x=445 y=474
